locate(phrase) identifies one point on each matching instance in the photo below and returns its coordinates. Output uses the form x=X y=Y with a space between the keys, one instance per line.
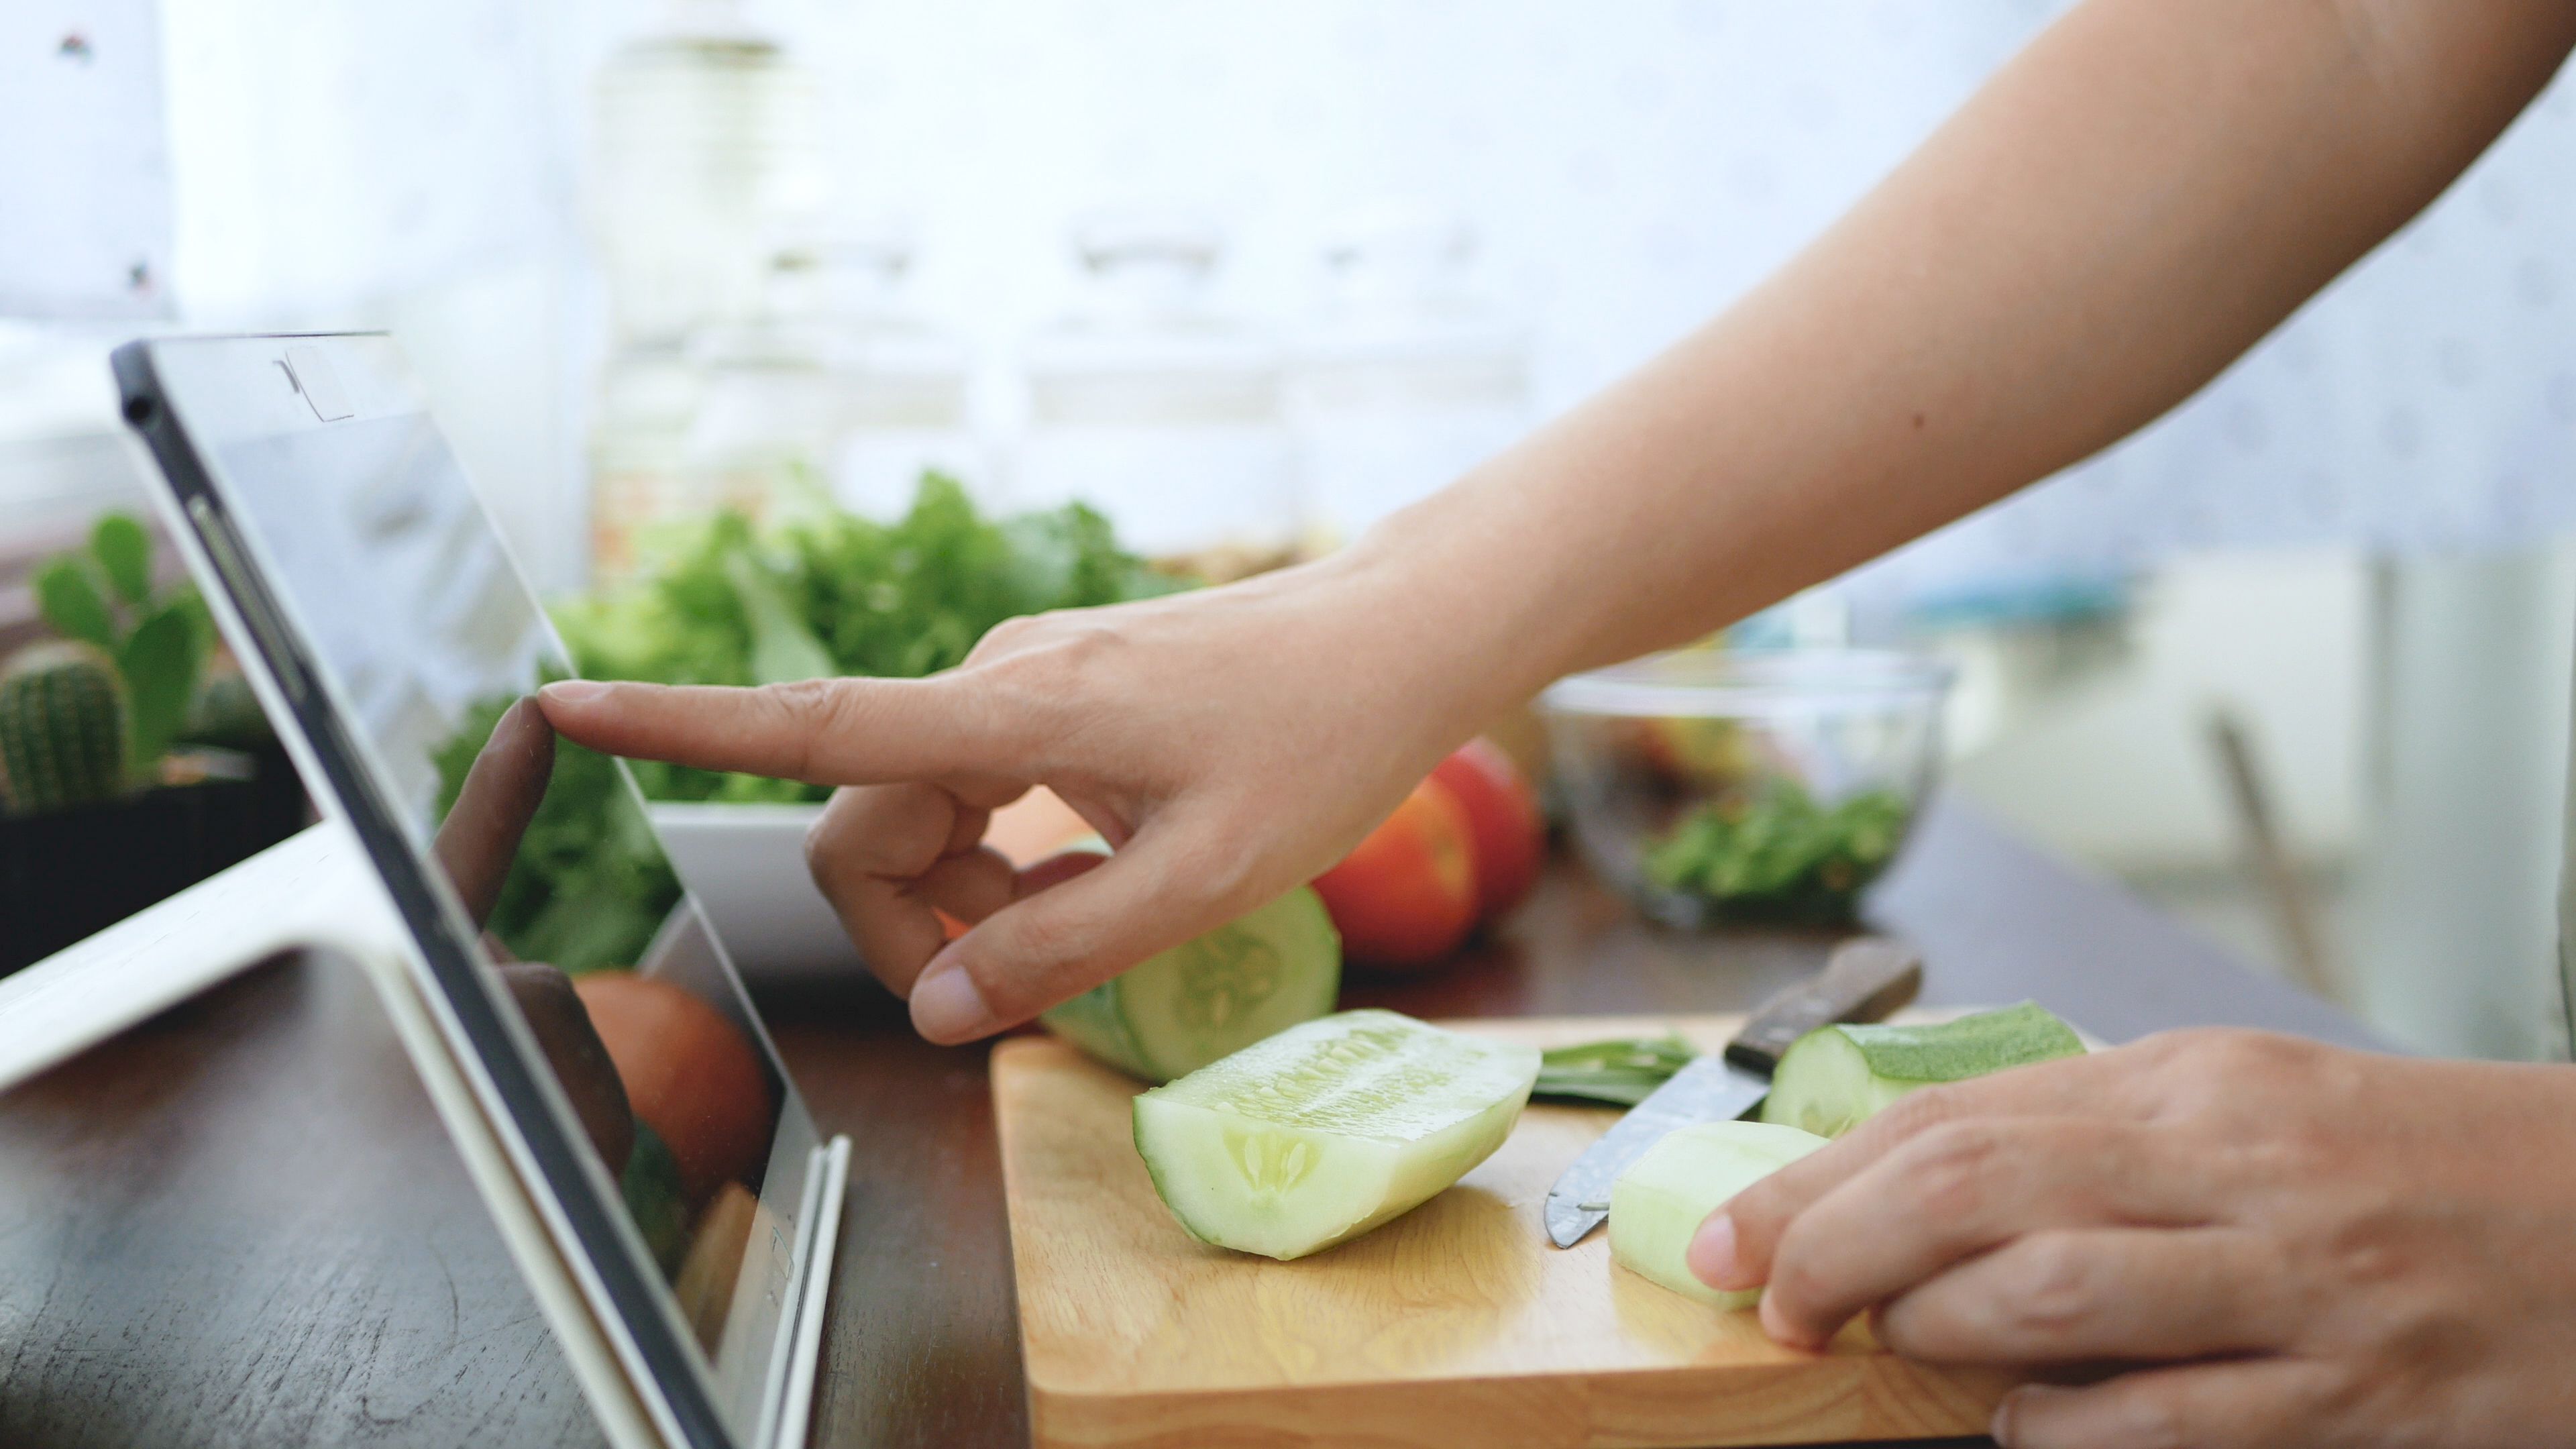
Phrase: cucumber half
x=1328 y=1129
x=1213 y=996
x=1657 y=1205
x=1838 y=1077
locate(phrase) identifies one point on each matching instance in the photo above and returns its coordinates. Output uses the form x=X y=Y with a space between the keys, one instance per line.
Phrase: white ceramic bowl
x=746 y=866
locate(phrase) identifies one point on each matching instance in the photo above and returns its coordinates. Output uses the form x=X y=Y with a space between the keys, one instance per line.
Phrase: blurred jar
x=706 y=141
x=908 y=381
x=1402 y=380
x=831 y=392
x=772 y=401
x=1156 y=409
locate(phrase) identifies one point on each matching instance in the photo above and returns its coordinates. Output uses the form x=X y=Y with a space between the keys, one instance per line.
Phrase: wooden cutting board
x=1455 y=1324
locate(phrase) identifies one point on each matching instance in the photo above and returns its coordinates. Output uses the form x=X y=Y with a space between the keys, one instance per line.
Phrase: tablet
x=596 y=1013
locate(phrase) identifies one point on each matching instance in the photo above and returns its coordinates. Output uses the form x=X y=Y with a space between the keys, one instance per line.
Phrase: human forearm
x=2124 y=209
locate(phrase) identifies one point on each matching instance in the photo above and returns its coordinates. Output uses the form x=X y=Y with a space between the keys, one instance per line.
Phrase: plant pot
x=71 y=873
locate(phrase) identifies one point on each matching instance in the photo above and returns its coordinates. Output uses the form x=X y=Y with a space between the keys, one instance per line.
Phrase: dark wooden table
x=239 y=1224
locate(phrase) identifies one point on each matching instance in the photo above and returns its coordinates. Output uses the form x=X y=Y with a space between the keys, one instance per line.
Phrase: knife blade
x=1864 y=980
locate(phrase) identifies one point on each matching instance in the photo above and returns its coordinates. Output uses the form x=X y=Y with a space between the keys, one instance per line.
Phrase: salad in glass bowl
x=1758 y=786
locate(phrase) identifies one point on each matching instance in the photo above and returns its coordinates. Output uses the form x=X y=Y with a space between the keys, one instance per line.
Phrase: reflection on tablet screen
x=667 y=1085
x=428 y=642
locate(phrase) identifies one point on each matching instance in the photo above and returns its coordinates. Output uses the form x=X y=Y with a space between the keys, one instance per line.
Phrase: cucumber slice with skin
x=1657 y=1205
x=1837 y=1077
x=1328 y=1129
x=1212 y=996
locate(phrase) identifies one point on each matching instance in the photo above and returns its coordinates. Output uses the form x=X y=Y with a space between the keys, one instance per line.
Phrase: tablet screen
x=426 y=646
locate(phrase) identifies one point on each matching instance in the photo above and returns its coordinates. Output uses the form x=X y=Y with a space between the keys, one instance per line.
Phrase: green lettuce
x=840 y=594
x=734 y=604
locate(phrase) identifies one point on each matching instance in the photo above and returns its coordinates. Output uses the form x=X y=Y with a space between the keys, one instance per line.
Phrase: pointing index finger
x=821 y=731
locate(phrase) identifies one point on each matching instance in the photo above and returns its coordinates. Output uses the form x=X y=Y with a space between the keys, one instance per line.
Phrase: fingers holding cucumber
x=2102 y=1294
x=1975 y=1184
x=2329 y=1246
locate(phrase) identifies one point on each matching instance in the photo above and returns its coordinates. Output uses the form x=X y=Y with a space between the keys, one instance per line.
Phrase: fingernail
x=946 y=1007
x=573 y=691
x=2001 y=1430
x=1712 y=1252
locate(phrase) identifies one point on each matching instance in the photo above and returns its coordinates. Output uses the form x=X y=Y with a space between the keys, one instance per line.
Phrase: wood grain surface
x=234 y=1226
x=241 y=1223
x=1456 y=1323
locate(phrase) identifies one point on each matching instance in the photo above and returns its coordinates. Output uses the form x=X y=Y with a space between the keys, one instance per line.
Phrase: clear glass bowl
x=1770 y=786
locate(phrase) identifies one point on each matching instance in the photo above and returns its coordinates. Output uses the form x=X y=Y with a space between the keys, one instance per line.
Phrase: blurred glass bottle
x=1403 y=379
x=1156 y=409
x=909 y=380
x=706 y=144
x=832 y=391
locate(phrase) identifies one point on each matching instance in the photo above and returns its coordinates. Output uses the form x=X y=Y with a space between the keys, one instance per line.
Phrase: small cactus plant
x=65 y=731
x=156 y=638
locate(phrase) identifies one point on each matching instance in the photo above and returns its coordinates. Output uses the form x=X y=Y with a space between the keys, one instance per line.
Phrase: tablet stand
x=318 y=891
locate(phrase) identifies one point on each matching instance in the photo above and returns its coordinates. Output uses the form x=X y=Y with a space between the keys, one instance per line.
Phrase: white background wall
x=1630 y=168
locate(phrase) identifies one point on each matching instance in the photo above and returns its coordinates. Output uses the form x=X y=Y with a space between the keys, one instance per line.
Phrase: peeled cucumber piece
x=1213 y=996
x=1657 y=1205
x=1328 y=1129
x=1838 y=1077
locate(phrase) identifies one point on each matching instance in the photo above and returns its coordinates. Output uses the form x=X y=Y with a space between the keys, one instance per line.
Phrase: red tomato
x=1406 y=896
x=690 y=1073
x=1502 y=819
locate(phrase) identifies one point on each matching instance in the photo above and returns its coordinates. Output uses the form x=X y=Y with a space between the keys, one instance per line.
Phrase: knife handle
x=1865 y=980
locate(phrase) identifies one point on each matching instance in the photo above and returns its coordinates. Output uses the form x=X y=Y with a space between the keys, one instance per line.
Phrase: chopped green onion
x=1619 y=1072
